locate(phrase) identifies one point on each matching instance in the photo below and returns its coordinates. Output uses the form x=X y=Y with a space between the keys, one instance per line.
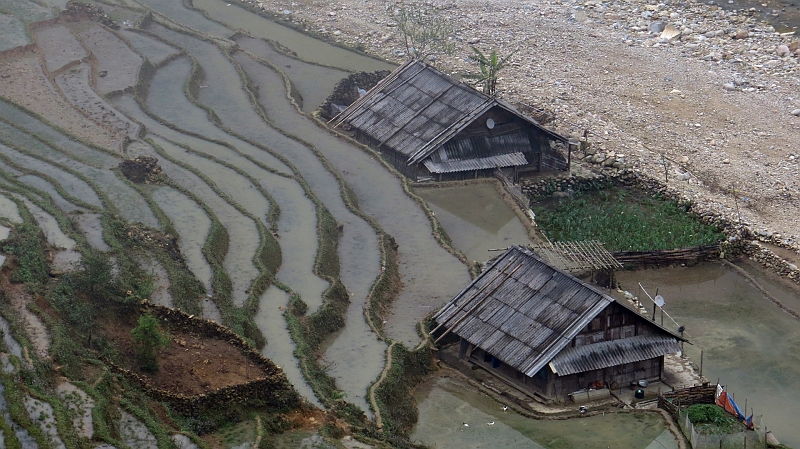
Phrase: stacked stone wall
x=273 y=389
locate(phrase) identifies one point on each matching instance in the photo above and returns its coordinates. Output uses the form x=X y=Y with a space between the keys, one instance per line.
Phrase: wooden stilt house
x=549 y=334
x=430 y=126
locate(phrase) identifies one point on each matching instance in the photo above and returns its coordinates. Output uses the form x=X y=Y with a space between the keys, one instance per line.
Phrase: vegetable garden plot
x=151 y=48
x=118 y=65
x=28 y=86
x=60 y=47
x=75 y=85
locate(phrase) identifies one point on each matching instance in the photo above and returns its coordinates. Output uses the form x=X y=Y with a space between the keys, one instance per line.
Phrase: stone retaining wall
x=273 y=389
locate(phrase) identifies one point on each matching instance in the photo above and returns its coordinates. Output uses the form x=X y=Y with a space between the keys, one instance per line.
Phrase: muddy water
x=69 y=182
x=476 y=218
x=231 y=183
x=297 y=224
x=12 y=32
x=152 y=49
x=192 y=224
x=160 y=294
x=166 y=99
x=241 y=230
x=445 y=405
x=175 y=10
x=380 y=195
x=748 y=343
x=306 y=47
x=313 y=84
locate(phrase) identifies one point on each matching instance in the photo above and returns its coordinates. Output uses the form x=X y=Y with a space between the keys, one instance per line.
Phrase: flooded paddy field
x=117 y=63
x=12 y=32
x=69 y=182
x=381 y=196
x=149 y=47
x=192 y=224
x=306 y=47
x=124 y=198
x=313 y=85
x=486 y=223
x=44 y=186
x=453 y=416
x=28 y=87
x=60 y=46
x=75 y=85
x=176 y=11
x=747 y=341
x=29 y=124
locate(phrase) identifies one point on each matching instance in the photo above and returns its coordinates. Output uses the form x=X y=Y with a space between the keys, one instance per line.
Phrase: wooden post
x=701 y=362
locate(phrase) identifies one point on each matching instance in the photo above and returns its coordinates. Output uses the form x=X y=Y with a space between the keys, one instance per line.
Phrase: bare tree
x=424 y=30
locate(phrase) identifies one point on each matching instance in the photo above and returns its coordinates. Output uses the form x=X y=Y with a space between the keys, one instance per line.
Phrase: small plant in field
x=148 y=340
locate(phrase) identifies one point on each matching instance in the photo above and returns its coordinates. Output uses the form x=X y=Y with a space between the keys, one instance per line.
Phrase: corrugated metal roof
x=611 y=353
x=523 y=311
x=417 y=108
x=502 y=160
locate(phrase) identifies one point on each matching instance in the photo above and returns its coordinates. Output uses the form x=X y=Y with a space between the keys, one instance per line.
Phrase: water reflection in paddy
x=446 y=404
x=748 y=342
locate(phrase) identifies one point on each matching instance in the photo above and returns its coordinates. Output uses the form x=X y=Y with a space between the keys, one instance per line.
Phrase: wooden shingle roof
x=525 y=312
x=417 y=108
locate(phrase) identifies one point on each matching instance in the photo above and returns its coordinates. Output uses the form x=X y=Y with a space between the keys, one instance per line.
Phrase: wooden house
x=430 y=126
x=549 y=334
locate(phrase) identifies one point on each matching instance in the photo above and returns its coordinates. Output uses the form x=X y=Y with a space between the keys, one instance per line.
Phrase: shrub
x=148 y=339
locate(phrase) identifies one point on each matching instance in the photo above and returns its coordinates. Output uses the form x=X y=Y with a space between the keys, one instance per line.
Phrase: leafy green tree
x=490 y=67
x=424 y=31
x=148 y=340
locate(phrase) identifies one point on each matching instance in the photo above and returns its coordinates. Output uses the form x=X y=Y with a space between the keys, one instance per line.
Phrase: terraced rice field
x=12 y=32
x=60 y=47
x=117 y=64
x=278 y=220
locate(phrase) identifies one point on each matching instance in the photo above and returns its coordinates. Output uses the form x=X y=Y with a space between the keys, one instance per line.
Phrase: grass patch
x=624 y=221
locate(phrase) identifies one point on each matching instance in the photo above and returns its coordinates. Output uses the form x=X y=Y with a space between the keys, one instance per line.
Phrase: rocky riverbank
x=709 y=94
